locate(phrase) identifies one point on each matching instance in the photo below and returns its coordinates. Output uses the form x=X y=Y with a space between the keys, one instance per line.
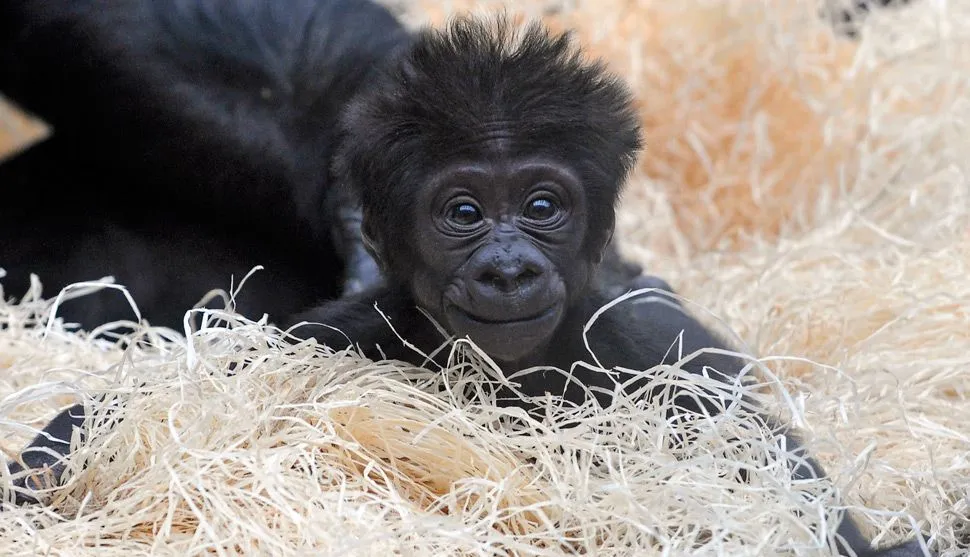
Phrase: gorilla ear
x=372 y=243
x=602 y=249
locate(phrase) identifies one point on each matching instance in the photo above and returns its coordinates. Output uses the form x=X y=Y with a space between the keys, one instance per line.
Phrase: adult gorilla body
x=488 y=168
x=192 y=141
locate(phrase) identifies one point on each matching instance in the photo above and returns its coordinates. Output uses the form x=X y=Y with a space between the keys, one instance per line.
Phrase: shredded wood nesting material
x=831 y=176
x=17 y=130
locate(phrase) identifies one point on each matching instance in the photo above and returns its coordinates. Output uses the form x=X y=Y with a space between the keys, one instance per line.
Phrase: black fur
x=848 y=16
x=192 y=140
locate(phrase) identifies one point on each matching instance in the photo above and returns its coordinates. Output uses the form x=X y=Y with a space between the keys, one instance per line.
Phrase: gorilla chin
x=509 y=340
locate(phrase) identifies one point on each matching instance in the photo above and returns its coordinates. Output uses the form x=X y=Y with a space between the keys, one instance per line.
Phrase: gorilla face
x=488 y=163
x=499 y=249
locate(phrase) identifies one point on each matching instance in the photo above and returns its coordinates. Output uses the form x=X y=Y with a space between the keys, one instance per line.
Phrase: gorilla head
x=488 y=164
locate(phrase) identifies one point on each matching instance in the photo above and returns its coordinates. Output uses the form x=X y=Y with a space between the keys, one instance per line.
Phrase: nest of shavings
x=807 y=194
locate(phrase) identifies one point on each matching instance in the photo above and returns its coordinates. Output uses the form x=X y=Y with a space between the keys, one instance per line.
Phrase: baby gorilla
x=488 y=163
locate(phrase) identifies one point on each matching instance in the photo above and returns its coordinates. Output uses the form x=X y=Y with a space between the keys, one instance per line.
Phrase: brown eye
x=464 y=214
x=541 y=209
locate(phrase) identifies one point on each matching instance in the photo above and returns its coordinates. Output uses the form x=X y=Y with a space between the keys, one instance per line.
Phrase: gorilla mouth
x=506 y=339
x=508 y=321
x=509 y=328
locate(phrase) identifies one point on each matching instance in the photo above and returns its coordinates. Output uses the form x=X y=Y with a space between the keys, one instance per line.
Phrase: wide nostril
x=508 y=279
x=527 y=275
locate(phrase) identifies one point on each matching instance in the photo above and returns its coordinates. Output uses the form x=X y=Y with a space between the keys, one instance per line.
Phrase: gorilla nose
x=509 y=277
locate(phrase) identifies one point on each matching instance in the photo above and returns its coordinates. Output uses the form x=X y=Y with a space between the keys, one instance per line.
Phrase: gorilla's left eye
x=541 y=209
x=464 y=213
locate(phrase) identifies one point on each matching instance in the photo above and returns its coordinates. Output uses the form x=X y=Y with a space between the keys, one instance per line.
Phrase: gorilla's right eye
x=464 y=213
